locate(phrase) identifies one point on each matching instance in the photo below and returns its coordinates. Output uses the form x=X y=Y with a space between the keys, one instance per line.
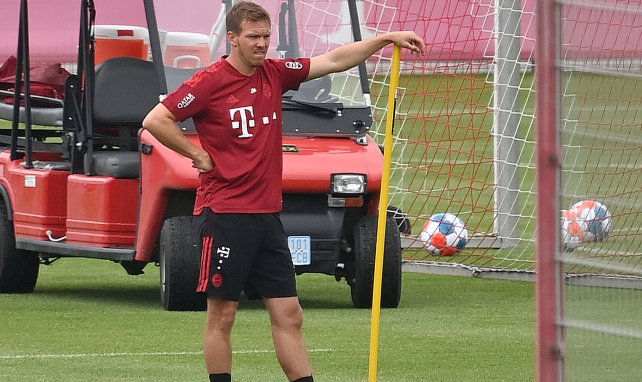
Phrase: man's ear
x=232 y=38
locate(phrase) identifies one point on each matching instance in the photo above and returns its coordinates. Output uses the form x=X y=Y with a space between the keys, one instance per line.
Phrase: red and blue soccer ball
x=444 y=234
x=585 y=221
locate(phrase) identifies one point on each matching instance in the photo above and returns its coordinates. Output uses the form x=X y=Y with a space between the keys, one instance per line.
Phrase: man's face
x=253 y=42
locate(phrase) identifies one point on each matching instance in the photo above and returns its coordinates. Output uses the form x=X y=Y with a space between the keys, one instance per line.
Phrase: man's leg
x=286 y=317
x=217 y=346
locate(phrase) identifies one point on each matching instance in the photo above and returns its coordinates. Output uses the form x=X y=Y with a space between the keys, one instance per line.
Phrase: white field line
x=134 y=354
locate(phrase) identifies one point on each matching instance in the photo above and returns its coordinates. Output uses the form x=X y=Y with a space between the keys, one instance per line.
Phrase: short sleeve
x=293 y=72
x=190 y=99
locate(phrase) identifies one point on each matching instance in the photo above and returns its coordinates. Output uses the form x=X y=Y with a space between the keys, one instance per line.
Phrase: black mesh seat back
x=126 y=89
x=175 y=78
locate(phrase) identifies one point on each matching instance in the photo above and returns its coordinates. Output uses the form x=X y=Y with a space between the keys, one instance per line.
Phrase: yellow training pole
x=383 y=207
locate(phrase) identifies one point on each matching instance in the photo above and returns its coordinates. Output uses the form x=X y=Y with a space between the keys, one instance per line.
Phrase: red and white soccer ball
x=444 y=234
x=572 y=234
x=593 y=218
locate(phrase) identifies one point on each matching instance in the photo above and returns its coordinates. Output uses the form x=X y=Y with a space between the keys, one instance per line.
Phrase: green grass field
x=89 y=321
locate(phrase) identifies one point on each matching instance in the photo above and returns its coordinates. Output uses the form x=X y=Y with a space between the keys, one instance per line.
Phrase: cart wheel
x=179 y=259
x=18 y=268
x=365 y=243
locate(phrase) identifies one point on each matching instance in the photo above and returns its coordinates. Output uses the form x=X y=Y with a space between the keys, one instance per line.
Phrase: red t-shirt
x=239 y=122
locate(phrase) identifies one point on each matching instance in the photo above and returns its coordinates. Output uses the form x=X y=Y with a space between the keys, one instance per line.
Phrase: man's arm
x=351 y=55
x=161 y=123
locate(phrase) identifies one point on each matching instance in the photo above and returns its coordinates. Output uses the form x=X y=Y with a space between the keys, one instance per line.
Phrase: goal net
x=465 y=143
x=599 y=124
x=464 y=132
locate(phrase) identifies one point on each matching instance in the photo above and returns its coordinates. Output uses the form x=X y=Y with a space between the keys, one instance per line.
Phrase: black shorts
x=245 y=252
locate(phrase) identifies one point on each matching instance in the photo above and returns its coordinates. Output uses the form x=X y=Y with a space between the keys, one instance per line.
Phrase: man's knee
x=295 y=317
x=288 y=316
x=221 y=315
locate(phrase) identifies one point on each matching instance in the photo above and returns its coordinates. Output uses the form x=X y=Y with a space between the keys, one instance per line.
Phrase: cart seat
x=49 y=165
x=126 y=89
x=45 y=116
x=118 y=164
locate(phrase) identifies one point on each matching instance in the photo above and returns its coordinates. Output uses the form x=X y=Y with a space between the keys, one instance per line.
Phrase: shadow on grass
x=321 y=302
x=92 y=281
x=149 y=297
x=139 y=296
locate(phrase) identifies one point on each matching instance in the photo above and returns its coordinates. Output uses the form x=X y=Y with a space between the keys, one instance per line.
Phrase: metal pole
x=507 y=119
x=356 y=34
x=228 y=5
x=87 y=19
x=154 y=41
x=549 y=283
x=24 y=29
x=16 y=93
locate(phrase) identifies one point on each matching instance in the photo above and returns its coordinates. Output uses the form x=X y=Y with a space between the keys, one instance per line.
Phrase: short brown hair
x=244 y=11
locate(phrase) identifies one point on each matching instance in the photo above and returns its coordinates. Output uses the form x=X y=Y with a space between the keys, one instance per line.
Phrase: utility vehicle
x=79 y=177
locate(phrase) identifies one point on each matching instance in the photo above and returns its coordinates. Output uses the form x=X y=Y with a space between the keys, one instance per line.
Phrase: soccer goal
x=590 y=166
x=464 y=131
x=557 y=197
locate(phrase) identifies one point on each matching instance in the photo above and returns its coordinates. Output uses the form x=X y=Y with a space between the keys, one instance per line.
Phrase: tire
x=365 y=244
x=401 y=218
x=179 y=258
x=18 y=268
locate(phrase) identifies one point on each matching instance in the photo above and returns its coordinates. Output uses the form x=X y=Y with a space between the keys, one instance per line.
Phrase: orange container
x=107 y=48
x=102 y=211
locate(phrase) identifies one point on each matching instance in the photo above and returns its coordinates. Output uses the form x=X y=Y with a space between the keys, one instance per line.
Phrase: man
x=236 y=107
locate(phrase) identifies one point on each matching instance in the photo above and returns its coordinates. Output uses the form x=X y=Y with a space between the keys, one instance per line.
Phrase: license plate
x=300 y=249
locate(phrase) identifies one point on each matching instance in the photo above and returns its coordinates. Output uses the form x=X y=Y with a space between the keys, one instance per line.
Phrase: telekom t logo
x=247 y=120
x=246 y=115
